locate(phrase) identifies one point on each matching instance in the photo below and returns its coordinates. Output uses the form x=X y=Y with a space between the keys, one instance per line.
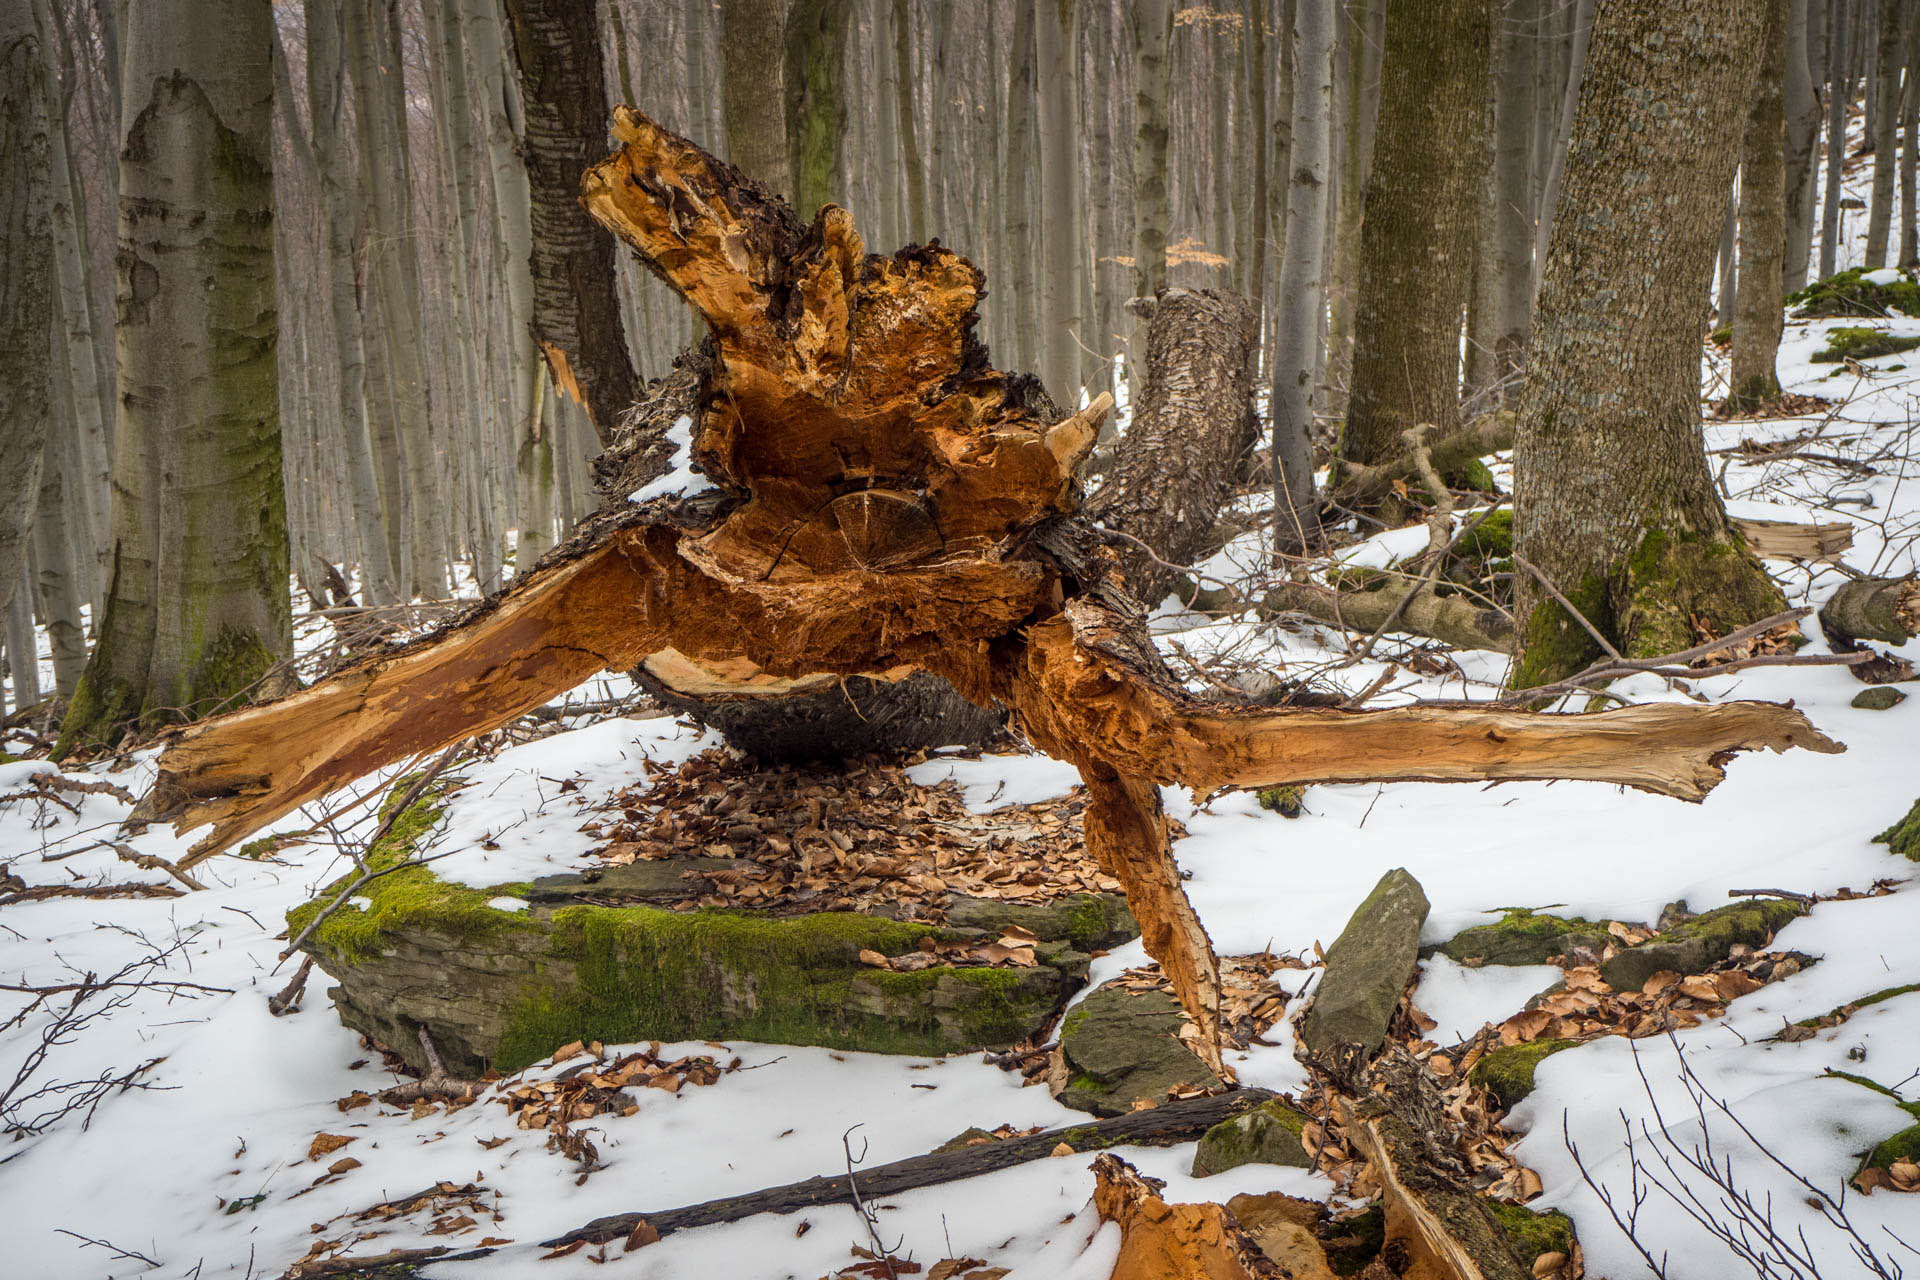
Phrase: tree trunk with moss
x=1417 y=233
x=1613 y=498
x=1757 y=314
x=198 y=609
x=816 y=102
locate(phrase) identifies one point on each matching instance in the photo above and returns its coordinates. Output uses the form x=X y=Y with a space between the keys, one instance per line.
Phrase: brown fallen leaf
x=343 y=1164
x=874 y=959
x=326 y=1144
x=572 y=1049
x=643 y=1234
x=1548 y=1263
x=1658 y=982
x=1061 y=1149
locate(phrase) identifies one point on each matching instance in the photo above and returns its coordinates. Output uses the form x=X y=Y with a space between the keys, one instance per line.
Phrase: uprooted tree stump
x=886 y=501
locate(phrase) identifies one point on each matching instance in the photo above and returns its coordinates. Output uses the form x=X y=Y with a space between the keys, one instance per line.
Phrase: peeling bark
x=886 y=500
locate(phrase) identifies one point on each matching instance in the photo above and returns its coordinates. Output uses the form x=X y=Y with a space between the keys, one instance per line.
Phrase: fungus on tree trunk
x=885 y=500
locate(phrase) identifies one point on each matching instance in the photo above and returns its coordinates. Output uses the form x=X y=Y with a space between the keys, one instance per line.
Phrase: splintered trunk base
x=885 y=502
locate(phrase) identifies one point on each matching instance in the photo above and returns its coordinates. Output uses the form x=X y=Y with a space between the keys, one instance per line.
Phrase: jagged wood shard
x=886 y=501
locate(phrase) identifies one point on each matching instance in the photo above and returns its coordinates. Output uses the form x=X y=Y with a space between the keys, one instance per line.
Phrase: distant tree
x=26 y=289
x=198 y=608
x=1416 y=235
x=1757 y=313
x=1614 y=500
x=816 y=102
x=753 y=88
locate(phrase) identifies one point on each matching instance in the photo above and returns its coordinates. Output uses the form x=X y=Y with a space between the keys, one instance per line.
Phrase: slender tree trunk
x=1802 y=108
x=1503 y=272
x=1757 y=314
x=816 y=106
x=1832 y=225
x=59 y=581
x=1728 y=286
x=914 y=227
x=197 y=611
x=1909 y=124
x=1296 y=363
x=23 y=648
x=1062 y=248
x=1883 y=85
x=576 y=313
x=1614 y=500
x=1550 y=185
x=27 y=301
x=1023 y=161
x=1152 y=208
x=753 y=89
x=1416 y=237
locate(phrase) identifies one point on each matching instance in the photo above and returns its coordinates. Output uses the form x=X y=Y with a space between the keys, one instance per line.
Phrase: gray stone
x=1701 y=942
x=1268 y=1134
x=1122 y=1047
x=1879 y=698
x=1524 y=937
x=1090 y=921
x=1368 y=966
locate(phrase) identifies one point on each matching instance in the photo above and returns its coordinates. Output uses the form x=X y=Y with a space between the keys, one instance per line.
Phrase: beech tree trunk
x=753 y=89
x=1802 y=106
x=816 y=106
x=1839 y=88
x=1883 y=87
x=576 y=314
x=1192 y=436
x=887 y=502
x=198 y=609
x=1757 y=314
x=1416 y=236
x=1613 y=498
x=26 y=288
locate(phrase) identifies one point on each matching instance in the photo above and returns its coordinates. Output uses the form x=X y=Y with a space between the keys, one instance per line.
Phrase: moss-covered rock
x=1849 y=293
x=1268 y=1134
x=1701 y=942
x=1508 y=1070
x=1532 y=1234
x=1851 y=342
x=1879 y=698
x=1522 y=936
x=1368 y=966
x=1903 y=837
x=592 y=961
x=1285 y=801
x=1122 y=1047
x=1087 y=921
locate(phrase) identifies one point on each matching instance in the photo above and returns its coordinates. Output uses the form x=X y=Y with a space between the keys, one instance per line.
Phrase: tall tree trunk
x=1802 y=108
x=753 y=89
x=1614 y=501
x=1023 y=160
x=1832 y=223
x=1296 y=359
x=1555 y=173
x=1062 y=249
x=1757 y=315
x=198 y=610
x=1909 y=120
x=27 y=299
x=576 y=313
x=1503 y=263
x=1416 y=236
x=60 y=556
x=1152 y=210
x=816 y=105
x=906 y=114
x=1883 y=86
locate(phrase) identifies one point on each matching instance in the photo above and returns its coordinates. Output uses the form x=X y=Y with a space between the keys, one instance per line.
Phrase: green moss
x=1904 y=1145
x=1521 y=936
x=1553 y=645
x=1491 y=539
x=1284 y=801
x=1903 y=837
x=648 y=973
x=1677 y=581
x=407 y=900
x=1268 y=1134
x=1532 y=1234
x=1472 y=475
x=1840 y=1013
x=1721 y=337
x=1351 y=1243
x=1850 y=343
x=1508 y=1071
x=1848 y=293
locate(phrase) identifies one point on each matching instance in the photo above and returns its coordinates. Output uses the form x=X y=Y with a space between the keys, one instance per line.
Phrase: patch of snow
x=508 y=904
x=1883 y=276
x=682 y=481
x=1462 y=1000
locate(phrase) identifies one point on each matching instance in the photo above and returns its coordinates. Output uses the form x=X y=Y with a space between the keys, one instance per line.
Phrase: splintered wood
x=885 y=499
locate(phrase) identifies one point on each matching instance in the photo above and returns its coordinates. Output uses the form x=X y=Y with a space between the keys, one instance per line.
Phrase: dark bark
x=1614 y=500
x=1803 y=147
x=1192 y=436
x=816 y=106
x=1416 y=236
x=1839 y=87
x=753 y=89
x=26 y=288
x=1883 y=88
x=1757 y=314
x=576 y=310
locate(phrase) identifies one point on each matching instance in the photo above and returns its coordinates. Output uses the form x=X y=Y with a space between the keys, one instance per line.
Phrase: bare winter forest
x=802 y=638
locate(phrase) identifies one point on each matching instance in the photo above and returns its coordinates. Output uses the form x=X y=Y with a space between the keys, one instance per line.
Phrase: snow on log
x=883 y=500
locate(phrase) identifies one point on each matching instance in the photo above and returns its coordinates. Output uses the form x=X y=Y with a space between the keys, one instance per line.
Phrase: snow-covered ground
x=204 y=1170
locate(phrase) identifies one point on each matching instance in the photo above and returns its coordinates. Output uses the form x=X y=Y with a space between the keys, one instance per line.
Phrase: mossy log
x=885 y=499
x=1883 y=609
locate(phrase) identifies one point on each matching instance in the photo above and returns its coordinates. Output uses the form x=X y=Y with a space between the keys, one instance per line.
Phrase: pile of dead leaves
x=1586 y=1007
x=1250 y=1000
x=450 y=1209
x=1013 y=949
x=849 y=836
x=1901 y=1175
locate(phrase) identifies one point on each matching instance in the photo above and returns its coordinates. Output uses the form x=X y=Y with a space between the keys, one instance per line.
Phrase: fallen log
x=883 y=499
x=1883 y=609
x=1461 y=621
x=1452 y=454
x=1168 y=1125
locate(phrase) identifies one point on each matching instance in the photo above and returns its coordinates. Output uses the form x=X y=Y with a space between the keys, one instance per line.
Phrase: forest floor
x=216 y=1159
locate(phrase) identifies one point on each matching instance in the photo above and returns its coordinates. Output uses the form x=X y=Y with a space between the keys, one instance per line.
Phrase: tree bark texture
x=885 y=499
x=1613 y=498
x=1757 y=314
x=1840 y=36
x=1883 y=86
x=816 y=105
x=1416 y=236
x=26 y=287
x=576 y=314
x=1192 y=434
x=1802 y=107
x=1502 y=300
x=753 y=89
x=198 y=608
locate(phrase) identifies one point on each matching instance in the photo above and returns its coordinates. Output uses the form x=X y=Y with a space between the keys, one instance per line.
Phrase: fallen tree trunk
x=1176 y=1122
x=884 y=499
x=1457 y=620
x=1883 y=609
x=1452 y=454
x=1191 y=439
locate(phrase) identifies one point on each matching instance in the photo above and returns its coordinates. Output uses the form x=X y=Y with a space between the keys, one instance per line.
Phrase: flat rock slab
x=593 y=958
x=1700 y=943
x=1368 y=966
x=1121 y=1047
x=1090 y=921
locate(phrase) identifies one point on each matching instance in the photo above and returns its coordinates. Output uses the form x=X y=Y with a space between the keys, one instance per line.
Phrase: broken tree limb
x=1789 y=540
x=1458 y=620
x=884 y=499
x=1161 y=1241
x=1883 y=609
x=1176 y=1122
x=1451 y=454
